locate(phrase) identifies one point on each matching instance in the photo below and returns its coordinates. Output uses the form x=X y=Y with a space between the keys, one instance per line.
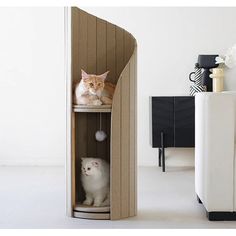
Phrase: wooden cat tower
x=96 y=46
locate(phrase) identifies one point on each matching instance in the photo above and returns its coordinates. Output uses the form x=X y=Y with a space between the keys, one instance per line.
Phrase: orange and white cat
x=93 y=90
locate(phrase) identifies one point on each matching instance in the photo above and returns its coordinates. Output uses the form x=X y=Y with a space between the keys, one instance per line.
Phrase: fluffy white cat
x=95 y=176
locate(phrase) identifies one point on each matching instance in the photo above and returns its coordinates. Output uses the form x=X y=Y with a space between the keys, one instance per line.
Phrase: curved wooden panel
x=98 y=46
x=123 y=144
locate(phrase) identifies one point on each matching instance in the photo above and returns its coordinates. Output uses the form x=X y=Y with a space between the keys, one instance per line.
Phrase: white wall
x=32 y=88
x=169 y=40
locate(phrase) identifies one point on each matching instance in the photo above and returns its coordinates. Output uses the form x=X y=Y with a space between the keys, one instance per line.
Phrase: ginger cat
x=93 y=90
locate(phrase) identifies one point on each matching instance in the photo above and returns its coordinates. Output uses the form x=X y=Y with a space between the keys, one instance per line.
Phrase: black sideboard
x=173 y=123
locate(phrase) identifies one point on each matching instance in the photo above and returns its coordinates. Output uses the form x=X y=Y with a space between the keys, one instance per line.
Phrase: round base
x=86 y=208
x=92 y=216
x=92 y=212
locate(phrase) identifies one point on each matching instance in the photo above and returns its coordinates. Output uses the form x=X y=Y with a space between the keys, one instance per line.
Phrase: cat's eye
x=91 y=84
x=89 y=168
x=99 y=84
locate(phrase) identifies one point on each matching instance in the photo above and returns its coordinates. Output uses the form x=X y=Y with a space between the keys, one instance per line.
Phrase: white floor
x=34 y=197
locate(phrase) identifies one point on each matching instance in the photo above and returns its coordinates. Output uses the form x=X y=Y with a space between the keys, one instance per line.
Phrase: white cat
x=95 y=176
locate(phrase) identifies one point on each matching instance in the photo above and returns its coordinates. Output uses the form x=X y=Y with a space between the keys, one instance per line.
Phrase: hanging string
x=100 y=135
x=100 y=121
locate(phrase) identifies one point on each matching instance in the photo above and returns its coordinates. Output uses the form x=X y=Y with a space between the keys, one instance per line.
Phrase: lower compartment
x=86 y=145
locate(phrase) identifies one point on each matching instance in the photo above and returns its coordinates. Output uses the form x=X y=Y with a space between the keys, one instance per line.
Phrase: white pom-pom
x=100 y=136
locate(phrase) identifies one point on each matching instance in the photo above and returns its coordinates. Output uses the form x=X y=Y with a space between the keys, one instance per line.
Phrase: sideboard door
x=163 y=121
x=184 y=118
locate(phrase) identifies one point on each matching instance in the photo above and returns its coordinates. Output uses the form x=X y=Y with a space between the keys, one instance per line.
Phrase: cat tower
x=96 y=46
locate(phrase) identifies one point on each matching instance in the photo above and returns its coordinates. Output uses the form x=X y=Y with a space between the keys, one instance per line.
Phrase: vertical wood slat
x=132 y=45
x=92 y=44
x=132 y=121
x=75 y=43
x=111 y=53
x=83 y=40
x=101 y=46
x=127 y=47
x=136 y=126
x=115 y=182
x=119 y=51
x=125 y=132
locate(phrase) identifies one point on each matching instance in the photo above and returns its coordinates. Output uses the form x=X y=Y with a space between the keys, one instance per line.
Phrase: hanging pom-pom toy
x=100 y=135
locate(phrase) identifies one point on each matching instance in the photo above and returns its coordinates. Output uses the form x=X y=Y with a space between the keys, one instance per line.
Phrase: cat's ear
x=82 y=159
x=84 y=75
x=95 y=163
x=104 y=76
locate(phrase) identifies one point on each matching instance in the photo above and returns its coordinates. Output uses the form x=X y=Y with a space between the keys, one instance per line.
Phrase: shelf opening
x=86 y=145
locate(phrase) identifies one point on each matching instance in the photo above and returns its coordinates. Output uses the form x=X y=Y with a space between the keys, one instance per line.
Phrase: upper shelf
x=91 y=108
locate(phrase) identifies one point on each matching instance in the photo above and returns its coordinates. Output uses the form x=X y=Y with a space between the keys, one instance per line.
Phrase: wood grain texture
x=92 y=44
x=119 y=51
x=111 y=53
x=136 y=128
x=83 y=41
x=127 y=46
x=132 y=121
x=115 y=185
x=101 y=46
x=98 y=46
x=125 y=91
x=75 y=43
x=125 y=142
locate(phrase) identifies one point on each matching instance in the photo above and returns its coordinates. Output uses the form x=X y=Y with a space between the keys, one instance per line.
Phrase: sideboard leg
x=159 y=151
x=163 y=152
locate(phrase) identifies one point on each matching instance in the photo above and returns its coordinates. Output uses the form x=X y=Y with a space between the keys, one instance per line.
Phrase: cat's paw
x=97 y=103
x=88 y=202
x=97 y=204
x=106 y=100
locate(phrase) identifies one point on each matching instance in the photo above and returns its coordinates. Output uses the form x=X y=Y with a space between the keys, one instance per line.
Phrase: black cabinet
x=173 y=121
